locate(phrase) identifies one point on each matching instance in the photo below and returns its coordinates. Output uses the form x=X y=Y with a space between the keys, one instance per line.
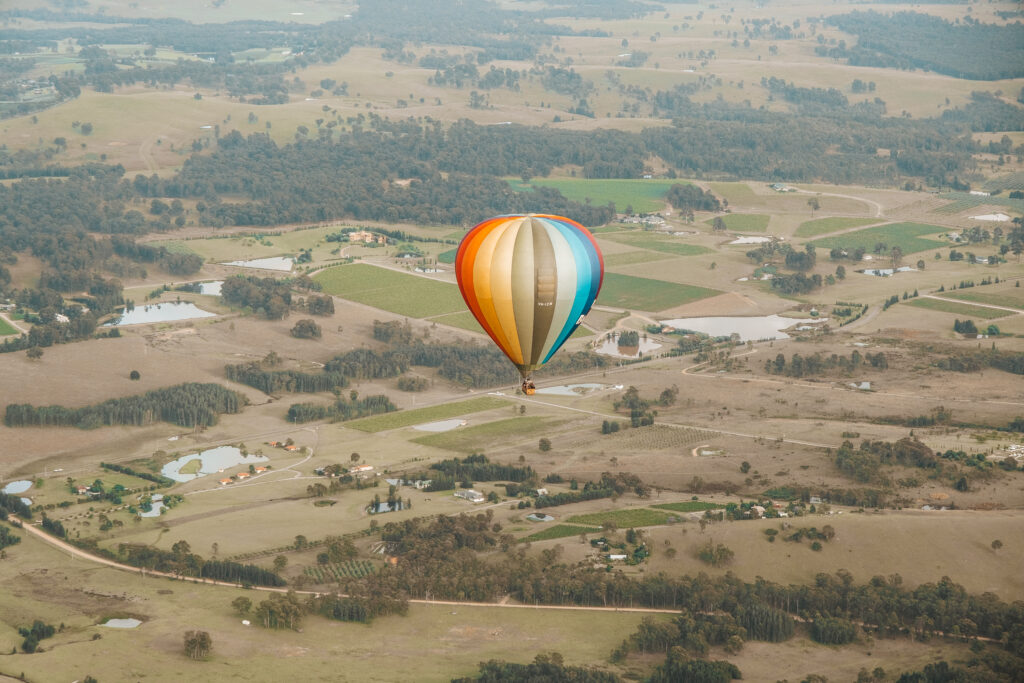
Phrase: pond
x=122 y=623
x=158 y=505
x=886 y=272
x=160 y=313
x=211 y=288
x=282 y=263
x=442 y=426
x=539 y=517
x=749 y=239
x=748 y=328
x=570 y=389
x=384 y=506
x=611 y=347
x=210 y=462
x=19 y=486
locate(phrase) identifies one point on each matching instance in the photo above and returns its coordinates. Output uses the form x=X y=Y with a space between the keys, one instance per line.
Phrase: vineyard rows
x=327 y=573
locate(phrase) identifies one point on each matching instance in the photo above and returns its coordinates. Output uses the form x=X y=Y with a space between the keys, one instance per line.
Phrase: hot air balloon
x=529 y=281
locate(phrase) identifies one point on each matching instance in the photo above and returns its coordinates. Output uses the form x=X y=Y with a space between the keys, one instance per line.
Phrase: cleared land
x=662 y=243
x=389 y=290
x=623 y=519
x=560 y=531
x=406 y=418
x=1011 y=297
x=906 y=236
x=688 y=506
x=744 y=222
x=823 y=226
x=643 y=196
x=959 y=309
x=628 y=291
x=477 y=437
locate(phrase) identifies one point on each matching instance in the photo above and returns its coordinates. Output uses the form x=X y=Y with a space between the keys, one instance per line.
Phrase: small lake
x=539 y=517
x=282 y=263
x=160 y=313
x=747 y=239
x=748 y=328
x=211 y=288
x=570 y=389
x=19 y=486
x=886 y=272
x=26 y=501
x=441 y=426
x=158 y=505
x=122 y=623
x=611 y=348
x=212 y=461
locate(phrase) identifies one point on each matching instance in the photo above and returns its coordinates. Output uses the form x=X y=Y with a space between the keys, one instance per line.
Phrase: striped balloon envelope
x=529 y=281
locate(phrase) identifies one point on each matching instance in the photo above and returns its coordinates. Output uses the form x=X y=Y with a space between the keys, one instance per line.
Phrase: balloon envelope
x=529 y=281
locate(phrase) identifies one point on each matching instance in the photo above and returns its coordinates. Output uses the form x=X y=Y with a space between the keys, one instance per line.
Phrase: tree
x=841 y=272
x=300 y=542
x=35 y=353
x=198 y=644
x=306 y=329
x=280 y=562
x=718 y=224
x=134 y=375
x=897 y=256
x=545 y=445
x=354 y=458
x=744 y=467
x=242 y=605
x=997 y=544
x=814 y=204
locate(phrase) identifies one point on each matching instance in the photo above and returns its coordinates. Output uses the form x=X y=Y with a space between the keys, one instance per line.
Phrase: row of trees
x=818 y=363
x=189 y=405
x=341 y=409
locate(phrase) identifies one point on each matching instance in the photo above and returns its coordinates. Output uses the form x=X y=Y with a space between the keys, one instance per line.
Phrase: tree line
x=189 y=405
x=818 y=363
x=341 y=409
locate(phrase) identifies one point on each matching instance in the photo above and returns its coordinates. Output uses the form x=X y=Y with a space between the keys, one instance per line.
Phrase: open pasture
x=744 y=222
x=628 y=258
x=906 y=236
x=560 y=531
x=407 y=418
x=6 y=328
x=737 y=193
x=628 y=291
x=1008 y=295
x=644 y=196
x=688 y=506
x=478 y=437
x=823 y=226
x=623 y=518
x=959 y=309
x=667 y=244
x=389 y=290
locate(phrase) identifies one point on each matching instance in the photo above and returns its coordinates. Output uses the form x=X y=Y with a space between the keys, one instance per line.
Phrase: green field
x=744 y=222
x=1013 y=297
x=655 y=242
x=631 y=292
x=736 y=193
x=623 y=518
x=823 y=226
x=959 y=309
x=688 y=506
x=644 y=196
x=628 y=258
x=6 y=328
x=906 y=236
x=447 y=256
x=475 y=438
x=389 y=290
x=560 y=531
x=405 y=418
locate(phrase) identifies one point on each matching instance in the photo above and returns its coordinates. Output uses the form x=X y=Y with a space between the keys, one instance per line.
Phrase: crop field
x=328 y=573
x=6 y=328
x=1012 y=297
x=389 y=290
x=406 y=418
x=447 y=256
x=906 y=236
x=478 y=437
x=959 y=309
x=624 y=519
x=823 y=226
x=663 y=243
x=688 y=506
x=744 y=222
x=560 y=531
x=1012 y=181
x=736 y=193
x=644 y=196
x=628 y=258
x=629 y=291
x=655 y=437
x=962 y=201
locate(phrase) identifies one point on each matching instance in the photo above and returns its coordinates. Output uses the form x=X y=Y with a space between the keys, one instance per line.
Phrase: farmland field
x=475 y=438
x=906 y=236
x=329 y=573
x=662 y=243
x=6 y=328
x=736 y=193
x=1012 y=297
x=406 y=418
x=688 y=506
x=388 y=290
x=959 y=309
x=628 y=258
x=628 y=291
x=644 y=196
x=823 y=226
x=560 y=531
x=744 y=222
x=623 y=519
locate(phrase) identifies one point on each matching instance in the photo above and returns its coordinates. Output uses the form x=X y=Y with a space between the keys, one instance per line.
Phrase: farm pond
x=282 y=263
x=751 y=328
x=211 y=461
x=160 y=313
